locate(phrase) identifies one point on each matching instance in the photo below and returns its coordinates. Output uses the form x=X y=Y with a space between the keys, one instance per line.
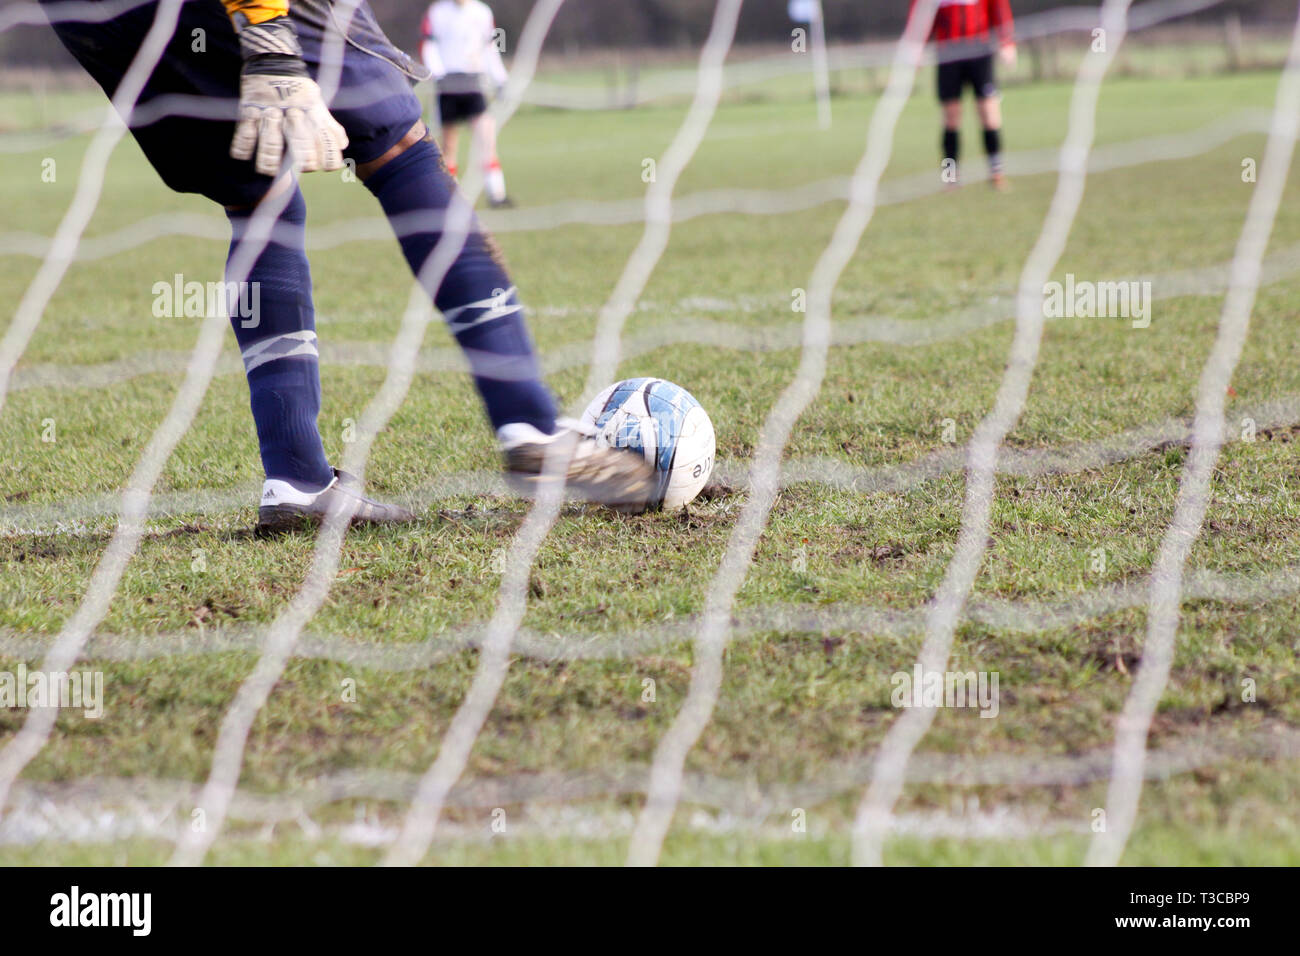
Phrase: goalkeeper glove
x=279 y=102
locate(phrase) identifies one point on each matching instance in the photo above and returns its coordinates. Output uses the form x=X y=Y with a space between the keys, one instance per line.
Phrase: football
x=664 y=423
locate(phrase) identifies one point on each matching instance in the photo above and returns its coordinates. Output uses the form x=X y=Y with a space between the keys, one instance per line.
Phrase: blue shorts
x=374 y=101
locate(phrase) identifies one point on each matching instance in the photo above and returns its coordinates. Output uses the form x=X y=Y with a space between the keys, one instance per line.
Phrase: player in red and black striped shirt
x=965 y=34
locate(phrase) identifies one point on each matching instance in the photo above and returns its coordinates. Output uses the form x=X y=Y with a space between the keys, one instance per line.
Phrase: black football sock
x=951 y=144
x=993 y=147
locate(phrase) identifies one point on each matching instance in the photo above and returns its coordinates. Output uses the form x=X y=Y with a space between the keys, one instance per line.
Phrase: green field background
x=801 y=711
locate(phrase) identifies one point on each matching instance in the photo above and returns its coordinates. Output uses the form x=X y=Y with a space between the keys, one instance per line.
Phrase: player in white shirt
x=459 y=47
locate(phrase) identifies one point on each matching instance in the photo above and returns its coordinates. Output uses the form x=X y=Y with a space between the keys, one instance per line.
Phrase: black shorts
x=977 y=71
x=459 y=106
x=189 y=104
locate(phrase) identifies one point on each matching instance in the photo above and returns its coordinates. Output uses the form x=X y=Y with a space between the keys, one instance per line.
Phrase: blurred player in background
x=459 y=46
x=964 y=33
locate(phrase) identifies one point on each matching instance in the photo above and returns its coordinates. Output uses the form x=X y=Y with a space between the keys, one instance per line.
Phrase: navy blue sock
x=278 y=344
x=476 y=298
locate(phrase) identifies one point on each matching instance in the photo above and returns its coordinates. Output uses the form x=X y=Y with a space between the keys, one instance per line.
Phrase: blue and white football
x=664 y=423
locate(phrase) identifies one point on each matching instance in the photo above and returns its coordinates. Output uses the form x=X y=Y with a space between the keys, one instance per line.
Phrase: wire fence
x=61 y=812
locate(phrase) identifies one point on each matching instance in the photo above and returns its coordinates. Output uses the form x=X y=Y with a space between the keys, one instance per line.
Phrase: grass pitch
x=828 y=612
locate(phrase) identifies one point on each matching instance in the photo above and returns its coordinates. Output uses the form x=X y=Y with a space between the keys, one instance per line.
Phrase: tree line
x=590 y=25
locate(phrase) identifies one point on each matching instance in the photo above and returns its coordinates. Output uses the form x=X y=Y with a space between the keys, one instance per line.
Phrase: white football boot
x=593 y=471
x=285 y=507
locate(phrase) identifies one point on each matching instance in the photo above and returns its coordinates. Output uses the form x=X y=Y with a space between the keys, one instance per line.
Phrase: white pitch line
x=876 y=808
x=1134 y=722
x=664 y=791
x=114 y=808
x=87 y=823
x=422 y=819
x=283 y=633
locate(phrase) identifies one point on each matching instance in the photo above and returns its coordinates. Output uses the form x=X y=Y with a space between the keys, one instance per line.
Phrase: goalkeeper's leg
x=483 y=311
x=185 y=121
x=478 y=301
x=375 y=104
x=398 y=161
x=278 y=345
